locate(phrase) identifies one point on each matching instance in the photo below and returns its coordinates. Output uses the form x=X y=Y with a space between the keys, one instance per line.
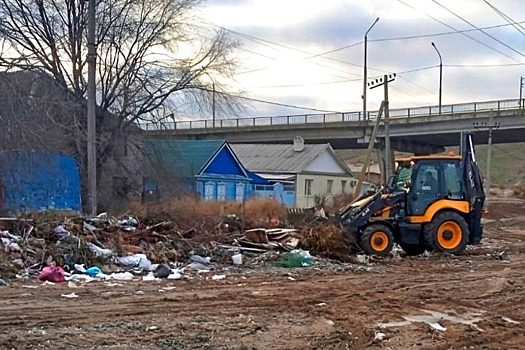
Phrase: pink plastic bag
x=54 y=274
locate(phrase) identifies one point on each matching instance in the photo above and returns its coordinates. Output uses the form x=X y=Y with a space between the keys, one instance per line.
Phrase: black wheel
x=377 y=239
x=413 y=249
x=447 y=232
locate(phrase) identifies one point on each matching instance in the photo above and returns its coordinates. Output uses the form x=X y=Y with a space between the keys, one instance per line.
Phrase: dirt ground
x=479 y=297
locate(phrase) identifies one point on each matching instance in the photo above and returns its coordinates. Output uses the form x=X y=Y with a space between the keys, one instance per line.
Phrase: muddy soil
x=477 y=300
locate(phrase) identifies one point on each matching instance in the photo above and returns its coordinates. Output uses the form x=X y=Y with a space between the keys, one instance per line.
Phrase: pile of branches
x=328 y=240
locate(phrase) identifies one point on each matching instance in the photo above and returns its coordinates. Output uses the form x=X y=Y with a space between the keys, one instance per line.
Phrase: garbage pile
x=59 y=249
x=262 y=239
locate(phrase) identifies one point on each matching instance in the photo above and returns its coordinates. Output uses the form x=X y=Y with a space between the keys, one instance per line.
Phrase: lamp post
x=365 y=68
x=440 y=75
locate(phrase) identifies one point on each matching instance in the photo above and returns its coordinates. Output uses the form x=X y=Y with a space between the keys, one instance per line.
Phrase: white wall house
x=305 y=170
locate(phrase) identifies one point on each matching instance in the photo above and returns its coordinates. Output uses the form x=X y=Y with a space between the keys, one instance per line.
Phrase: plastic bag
x=162 y=271
x=93 y=271
x=99 y=251
x=199 y=259
x=140 y=261
x=54 y=274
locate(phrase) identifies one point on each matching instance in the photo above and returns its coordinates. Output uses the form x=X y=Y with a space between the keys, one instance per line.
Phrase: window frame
x=329 y=186
x=308 y=186
x=221 y=192
x=209 y=191
x=239 y=197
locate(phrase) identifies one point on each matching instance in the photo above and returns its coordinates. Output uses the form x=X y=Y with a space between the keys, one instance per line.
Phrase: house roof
x=274 y=158
x=184 y=158
x=357 y=168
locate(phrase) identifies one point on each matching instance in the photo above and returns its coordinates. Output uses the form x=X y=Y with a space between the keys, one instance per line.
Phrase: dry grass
x=262 y=211
x=189 y=212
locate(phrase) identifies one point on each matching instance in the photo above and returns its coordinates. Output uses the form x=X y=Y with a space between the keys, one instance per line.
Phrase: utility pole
x=213 y=102
x=440 y=75
x=371 y=144
x=365 y=77
x=388 y=150
x=91 y=111
x=389 y=156
x=522 y=82
x=490 y=126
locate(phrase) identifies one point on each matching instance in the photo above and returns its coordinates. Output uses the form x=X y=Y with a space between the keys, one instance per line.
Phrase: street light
x=440 y=75
x=365 y=71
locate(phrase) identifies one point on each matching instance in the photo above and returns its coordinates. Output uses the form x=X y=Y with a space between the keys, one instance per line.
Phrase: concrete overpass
x=418 y=130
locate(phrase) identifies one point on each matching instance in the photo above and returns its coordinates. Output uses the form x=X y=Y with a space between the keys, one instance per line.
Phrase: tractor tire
x=413 y=249
x=377 y=239
x=447 y=232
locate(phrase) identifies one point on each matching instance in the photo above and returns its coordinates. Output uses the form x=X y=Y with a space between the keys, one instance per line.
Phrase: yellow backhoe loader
x=430 y=203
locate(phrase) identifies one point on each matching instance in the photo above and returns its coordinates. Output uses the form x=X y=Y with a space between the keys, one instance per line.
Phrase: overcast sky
x=279 y=38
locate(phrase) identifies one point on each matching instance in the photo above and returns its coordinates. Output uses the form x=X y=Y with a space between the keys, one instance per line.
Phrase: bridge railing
x=414 y=112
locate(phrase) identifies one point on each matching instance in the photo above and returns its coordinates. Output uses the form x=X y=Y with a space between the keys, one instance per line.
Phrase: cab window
x=453 y=183
x=404 y=174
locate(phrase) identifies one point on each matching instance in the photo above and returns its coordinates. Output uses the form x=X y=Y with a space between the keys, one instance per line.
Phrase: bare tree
x=139 y=44
x=151 y=55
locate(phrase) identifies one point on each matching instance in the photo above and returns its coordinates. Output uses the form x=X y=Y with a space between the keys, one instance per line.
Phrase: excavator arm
x=474 y=186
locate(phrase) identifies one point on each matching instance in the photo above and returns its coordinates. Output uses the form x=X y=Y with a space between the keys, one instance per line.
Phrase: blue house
x=207 y=167
x=33 y=181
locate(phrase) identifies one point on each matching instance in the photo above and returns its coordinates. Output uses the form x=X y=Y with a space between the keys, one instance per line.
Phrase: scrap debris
x=57 y=247
x=269 y=239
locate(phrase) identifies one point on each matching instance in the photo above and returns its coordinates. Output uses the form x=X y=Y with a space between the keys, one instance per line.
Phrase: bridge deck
x=420 y=125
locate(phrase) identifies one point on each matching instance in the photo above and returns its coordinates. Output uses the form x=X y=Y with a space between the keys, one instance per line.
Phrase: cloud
x=283 y=34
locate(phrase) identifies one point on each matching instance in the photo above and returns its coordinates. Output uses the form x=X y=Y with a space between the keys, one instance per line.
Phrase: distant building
x=34 y=181
x=207 y=168
x=39 y=114
x=372 y=175
x=296 y=173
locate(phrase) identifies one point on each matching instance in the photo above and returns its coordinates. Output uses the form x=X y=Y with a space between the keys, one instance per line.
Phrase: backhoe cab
x=431 y=203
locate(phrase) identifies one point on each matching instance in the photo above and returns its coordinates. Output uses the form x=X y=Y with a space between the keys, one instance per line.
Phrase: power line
x=418 y=69
x=264 y=101
x=448 y=33
x=516 y=25
x=255 y=53
x=303 y=85
x=483 y=65
x=336 y=82
x=418 y=85
x=456 y=30
x=285 y=104
x=401 y=91
x=481 y=30
x=334 y=50
x=268 y=43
